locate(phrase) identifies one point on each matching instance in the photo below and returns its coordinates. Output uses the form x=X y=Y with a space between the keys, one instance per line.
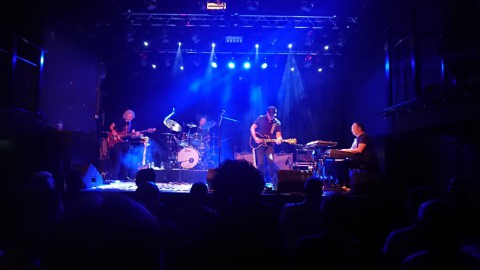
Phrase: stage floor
x=117 y=185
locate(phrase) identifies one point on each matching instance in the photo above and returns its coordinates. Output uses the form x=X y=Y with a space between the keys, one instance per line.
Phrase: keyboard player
x=361 y=155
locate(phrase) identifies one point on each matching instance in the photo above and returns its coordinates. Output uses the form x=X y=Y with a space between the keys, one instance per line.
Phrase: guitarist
x=267 y=126
x=120 y=169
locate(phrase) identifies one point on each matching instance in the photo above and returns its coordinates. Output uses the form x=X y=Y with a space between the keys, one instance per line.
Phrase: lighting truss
x=242 y=21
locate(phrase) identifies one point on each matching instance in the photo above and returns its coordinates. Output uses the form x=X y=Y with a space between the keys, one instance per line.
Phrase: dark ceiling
x=124 y=24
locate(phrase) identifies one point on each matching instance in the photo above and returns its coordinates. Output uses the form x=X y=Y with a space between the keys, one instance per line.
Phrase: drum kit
x=187 y=150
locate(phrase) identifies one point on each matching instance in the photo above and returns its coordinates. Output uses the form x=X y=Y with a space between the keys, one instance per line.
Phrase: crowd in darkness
x=229 y=224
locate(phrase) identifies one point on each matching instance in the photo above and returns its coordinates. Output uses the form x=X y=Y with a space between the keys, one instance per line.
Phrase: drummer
x=204 y=130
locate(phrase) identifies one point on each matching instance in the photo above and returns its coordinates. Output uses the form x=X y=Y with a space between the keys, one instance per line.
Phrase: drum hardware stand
x=319 y=170
x=220 y=132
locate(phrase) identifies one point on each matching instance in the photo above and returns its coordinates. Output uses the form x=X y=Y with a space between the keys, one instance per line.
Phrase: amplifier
x=245 y=156
x=283 y=161
x=304 y=156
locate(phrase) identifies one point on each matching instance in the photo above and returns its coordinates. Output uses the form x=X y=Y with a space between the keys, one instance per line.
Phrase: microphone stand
x=220 y=136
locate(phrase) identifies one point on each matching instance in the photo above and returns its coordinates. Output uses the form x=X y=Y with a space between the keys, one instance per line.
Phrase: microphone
x=221 y=117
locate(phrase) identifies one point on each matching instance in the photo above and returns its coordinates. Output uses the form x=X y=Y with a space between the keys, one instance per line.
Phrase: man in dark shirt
x=266 y=131
x=365 y=158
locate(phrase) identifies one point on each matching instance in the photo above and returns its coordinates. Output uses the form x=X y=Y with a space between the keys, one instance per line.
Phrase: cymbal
x=169 y=123
x=191 y=125
x=209 y=124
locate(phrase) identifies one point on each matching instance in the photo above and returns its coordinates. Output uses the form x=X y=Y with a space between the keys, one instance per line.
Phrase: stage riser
x=186 y=176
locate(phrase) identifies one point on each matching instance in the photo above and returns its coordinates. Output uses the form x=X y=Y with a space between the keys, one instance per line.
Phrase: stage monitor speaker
x=292 y=181
x=90 y=175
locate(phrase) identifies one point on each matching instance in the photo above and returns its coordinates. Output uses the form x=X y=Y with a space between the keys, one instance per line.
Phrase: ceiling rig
x=241 y=21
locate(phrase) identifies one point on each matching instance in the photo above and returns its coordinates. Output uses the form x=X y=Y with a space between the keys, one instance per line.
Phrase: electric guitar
x=114 y=139
x=266 y=139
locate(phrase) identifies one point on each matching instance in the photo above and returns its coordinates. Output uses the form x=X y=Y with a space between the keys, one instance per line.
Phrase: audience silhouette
x=109 y=232
x=248 y=236
x=303 y=218
x=442 y=243
x=336 y=247
x=38 y=207
x=408 y=238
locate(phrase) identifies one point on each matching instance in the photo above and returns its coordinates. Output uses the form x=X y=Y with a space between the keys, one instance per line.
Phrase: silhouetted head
x=147 y=192
x=41 y=181
x=313 y=188
x=237 y=179
x=145 y=175
x=199 y=191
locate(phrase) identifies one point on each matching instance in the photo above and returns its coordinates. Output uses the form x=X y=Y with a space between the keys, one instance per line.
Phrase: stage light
x=290 y=45
x=214 y=65
x=252 y=4
x=179 y=44
x=151 y=4
x=145 y=43
x=256 y=46
x=307 y=5
x=234 y=39
x=326 y=47
x=216 y=5
x=264 y=65
x=231 y=65
x=247 y=65
x=213 y=45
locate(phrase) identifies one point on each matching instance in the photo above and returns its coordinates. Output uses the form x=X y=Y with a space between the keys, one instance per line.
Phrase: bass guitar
x=266 y=139
x=114 y=139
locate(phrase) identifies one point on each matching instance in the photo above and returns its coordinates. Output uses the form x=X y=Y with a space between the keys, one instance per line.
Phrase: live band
x=194 y=147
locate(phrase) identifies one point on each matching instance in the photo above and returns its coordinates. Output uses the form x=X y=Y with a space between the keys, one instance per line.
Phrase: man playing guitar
x=267 y=126
x=120 y=144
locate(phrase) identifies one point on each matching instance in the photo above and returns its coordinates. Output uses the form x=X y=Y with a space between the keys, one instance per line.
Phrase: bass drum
x=188 y=157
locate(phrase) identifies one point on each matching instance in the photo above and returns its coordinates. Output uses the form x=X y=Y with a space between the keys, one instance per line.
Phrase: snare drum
x=196 y=139
x=188 y=157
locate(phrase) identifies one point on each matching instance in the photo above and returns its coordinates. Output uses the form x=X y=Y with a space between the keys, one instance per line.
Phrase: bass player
x=267 y=126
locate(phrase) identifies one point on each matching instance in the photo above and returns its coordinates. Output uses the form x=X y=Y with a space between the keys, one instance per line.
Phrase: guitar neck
x=274 y=140
x=131 y=133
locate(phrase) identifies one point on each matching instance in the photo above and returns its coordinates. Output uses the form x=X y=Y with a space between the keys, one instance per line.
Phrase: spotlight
x=246 y=65
x=252 y=4
x=151 y=4
x=214 y=65
x=231 y=65
x=264 y=65
x=307 y=5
